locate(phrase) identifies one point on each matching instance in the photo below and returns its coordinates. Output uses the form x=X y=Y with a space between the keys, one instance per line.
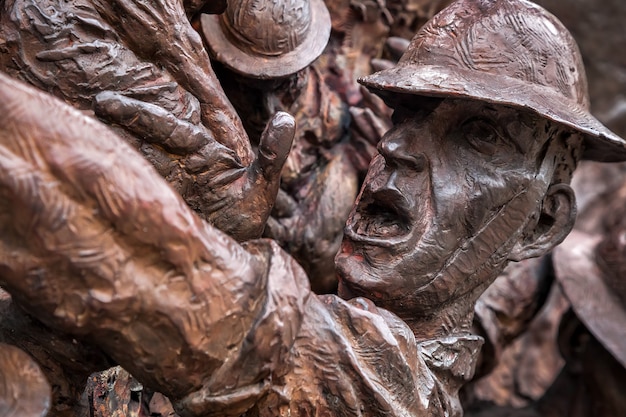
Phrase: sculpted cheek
x=489 y=196
x=471 y=204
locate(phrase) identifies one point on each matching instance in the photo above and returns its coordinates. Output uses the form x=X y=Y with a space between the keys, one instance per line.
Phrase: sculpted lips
x=380 y=217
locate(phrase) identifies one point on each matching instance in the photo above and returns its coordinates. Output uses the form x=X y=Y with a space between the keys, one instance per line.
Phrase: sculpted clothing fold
x=347 y=358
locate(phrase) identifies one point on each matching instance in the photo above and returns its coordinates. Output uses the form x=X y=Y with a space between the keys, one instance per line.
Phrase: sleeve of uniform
x=247 y=376
x=321 y=355
x=354 y=359
x=94 y=243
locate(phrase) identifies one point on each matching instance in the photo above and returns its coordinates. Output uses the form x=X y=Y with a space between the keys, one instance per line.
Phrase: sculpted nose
x=397 y=155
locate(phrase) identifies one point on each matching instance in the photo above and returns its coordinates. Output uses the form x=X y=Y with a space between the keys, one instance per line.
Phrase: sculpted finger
x=397 y=46
x=274 y=229
x=151 y=122
x=275 y=145
x=95 y=165
x=362 y=121
x=250 y=205
x=381 y=64
x=286 y=205
x=376 y=104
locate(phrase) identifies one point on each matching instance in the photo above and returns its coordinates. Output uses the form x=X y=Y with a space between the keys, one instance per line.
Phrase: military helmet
x=509 y=52
x=268 y=38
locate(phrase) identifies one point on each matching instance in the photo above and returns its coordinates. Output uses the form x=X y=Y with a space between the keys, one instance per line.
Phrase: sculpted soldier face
x=459 y=188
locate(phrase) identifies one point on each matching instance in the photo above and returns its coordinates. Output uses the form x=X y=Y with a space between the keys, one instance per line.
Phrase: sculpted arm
x=242 y=202
x=94 y=242
x=140 y=67
x=161 y=29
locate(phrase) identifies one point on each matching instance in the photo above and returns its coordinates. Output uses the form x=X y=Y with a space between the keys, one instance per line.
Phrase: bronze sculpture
x=589 y=267
x=595 y=349
x=156 y=88
x=24 y=390
x=267 y=69
x=474 y=174
x=530 y=365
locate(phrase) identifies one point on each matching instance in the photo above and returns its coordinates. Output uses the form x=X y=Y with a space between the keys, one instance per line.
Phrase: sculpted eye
x=482 y=135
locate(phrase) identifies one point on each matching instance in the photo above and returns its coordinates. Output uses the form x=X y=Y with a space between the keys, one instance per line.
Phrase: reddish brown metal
x=94 y=243
x=598 y=295
x=511 y=53
x=268 y=40
x=158 y=89
x=24 y=390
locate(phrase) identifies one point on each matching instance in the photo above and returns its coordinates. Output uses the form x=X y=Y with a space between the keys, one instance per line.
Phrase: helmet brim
x=259 y=66
x=594 y=303
x=438 y=81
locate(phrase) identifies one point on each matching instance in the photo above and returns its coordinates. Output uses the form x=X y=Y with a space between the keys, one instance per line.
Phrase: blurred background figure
x=591 y=338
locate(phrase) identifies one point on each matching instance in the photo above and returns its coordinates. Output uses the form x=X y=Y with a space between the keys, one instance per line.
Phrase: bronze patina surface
x=168 y=278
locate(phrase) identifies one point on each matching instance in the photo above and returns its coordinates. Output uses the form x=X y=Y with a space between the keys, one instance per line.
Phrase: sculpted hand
x=395 y=47
x=369 y=123
x=160 y=32
x=235 y=197
x=243 y=204
x=218 y=172
x=151 y=27
x=95 y=243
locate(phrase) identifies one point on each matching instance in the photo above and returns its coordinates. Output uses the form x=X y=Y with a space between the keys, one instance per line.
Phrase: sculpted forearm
x=94 y=242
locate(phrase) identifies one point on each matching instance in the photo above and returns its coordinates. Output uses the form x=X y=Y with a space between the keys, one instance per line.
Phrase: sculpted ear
x=556 y=220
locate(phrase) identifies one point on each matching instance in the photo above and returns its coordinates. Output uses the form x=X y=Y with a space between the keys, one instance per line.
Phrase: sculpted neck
x=454 y=319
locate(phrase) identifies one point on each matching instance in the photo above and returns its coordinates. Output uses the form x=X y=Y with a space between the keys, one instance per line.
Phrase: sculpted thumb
x=275 y=145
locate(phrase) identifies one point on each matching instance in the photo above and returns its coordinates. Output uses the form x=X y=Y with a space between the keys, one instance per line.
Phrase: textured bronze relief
x=490 y=116
x=141 y=67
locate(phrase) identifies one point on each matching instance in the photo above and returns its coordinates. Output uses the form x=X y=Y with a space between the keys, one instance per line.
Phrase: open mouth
x=383 y=215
